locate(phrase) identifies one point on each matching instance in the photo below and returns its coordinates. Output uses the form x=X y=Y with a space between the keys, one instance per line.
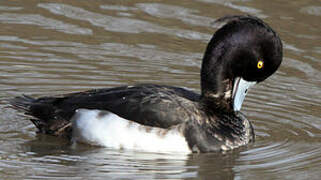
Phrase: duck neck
x=216 y=86
x=219 y=98
x=216 y=78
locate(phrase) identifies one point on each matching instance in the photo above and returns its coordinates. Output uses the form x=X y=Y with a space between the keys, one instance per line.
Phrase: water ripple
x=46 y=23
x=115 y=24
x=175 y=12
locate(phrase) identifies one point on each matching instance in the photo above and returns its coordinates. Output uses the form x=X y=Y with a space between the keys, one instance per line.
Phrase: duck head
x=242 y=53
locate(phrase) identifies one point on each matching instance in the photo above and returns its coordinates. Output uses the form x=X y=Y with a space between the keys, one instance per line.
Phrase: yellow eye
x=260 y=64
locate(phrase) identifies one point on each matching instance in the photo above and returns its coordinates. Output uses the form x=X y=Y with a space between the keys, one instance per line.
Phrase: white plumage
x=101 y=128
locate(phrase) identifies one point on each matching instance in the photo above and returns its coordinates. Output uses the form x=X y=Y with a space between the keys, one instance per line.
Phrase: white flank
x=109 y=130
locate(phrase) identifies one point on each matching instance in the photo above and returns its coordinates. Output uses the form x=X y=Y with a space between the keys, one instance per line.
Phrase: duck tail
x=22 y=103
x=42 y=113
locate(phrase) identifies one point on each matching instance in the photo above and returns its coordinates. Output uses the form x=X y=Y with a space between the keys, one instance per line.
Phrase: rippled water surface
x=54 y=47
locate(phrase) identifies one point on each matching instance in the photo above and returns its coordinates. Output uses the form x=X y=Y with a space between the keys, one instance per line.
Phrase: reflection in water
x=53 y=48
x=86 y=161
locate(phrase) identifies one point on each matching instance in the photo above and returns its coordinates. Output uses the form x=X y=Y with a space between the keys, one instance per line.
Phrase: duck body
x=163 y=118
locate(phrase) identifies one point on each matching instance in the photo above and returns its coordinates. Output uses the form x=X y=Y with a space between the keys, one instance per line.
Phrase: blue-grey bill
x=240 y=89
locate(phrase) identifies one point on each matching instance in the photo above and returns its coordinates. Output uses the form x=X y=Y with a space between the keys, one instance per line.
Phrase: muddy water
x=54 y=47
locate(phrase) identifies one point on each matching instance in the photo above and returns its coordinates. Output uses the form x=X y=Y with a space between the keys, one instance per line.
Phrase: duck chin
x=240 y=89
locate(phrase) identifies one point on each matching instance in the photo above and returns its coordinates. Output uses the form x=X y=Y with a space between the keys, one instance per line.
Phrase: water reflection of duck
x=150 y=117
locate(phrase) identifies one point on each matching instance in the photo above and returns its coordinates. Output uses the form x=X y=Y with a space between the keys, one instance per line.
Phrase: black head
x=246 y=48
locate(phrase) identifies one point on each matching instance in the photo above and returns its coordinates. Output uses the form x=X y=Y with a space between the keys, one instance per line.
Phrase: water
x=50 y=47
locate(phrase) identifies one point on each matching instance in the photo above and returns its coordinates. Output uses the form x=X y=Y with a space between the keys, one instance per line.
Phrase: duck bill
x=240 y=89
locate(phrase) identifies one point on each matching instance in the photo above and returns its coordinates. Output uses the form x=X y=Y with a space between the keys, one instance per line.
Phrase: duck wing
x=151 y=105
